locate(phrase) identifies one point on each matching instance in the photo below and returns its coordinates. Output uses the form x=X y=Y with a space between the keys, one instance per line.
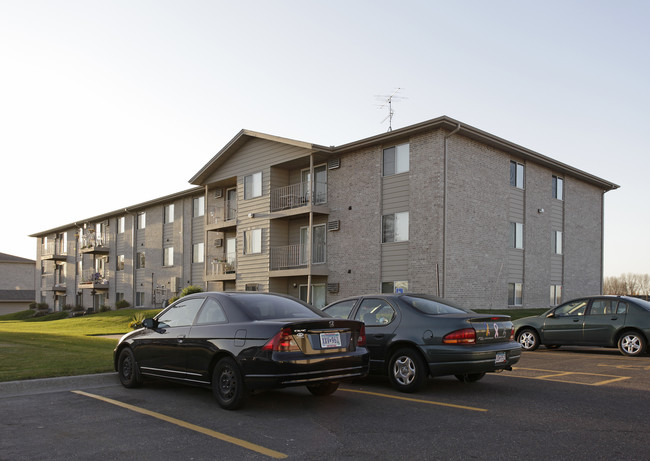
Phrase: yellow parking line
x=193 y=427
x=557 y=374
x=408 y=399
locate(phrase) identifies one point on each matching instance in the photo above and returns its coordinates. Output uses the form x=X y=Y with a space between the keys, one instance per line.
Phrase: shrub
x=77 y=309
x=136 y=320
x=188 y=290
x=33 y=305
x=122 y=303
x=43 y=307
x=67 y=307
x=104 y=308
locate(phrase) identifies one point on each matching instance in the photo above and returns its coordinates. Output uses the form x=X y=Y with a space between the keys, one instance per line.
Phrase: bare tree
x=627 y=284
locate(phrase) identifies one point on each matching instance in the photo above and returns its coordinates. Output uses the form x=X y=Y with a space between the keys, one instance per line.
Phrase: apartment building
x=16 y=283
x=437 y=207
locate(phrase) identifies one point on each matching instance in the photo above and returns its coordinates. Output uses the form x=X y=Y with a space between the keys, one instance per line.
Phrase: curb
x=58 y=384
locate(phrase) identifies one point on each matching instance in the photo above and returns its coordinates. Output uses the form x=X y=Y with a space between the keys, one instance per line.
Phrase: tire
x=228 y=384
x=528 y=339
x=128 y=369
x=632 y=344
x=553 y=346
x=323 y=389
x=470 y=377
x=407 y=371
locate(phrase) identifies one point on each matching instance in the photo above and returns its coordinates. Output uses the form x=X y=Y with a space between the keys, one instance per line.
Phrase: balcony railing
x=91 y=240
x=96 y=278
x=221 y=265
x=298 y=195
x=295 y=256
x=227 y=212
x=53 y=248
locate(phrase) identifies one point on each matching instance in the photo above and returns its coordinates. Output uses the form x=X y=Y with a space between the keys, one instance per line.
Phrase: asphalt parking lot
x=556 y=404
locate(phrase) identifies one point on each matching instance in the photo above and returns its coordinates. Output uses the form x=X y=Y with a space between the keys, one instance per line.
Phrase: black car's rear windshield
x=432 y=306
x=265 y=307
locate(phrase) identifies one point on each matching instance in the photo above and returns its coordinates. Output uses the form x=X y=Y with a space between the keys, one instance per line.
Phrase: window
x=317 y=295
x=395 y=227
x=516 y=175
x=139 y=264
x=558 y=188
x=573 y=308
x=253 y=186
x=142 y=220
x=212 y=312
x=556 y=295
x=169 y=213
x=181 y=313
x=516 y=235
x=139 y=299
x=198 y=206
x=341 y=310
x=121 y=224
x=557 y=242
x=119 y=297
x=119 y=266
x=395 y=287
x=396 y=160
x=515 y=294
x=197 y=252
x=252 y=241
x=168 y=256
x=375 y=312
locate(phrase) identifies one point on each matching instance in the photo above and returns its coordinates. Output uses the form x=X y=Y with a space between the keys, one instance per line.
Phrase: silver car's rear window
x=432 y=306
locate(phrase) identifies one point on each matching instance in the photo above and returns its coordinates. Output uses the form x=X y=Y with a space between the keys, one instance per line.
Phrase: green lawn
x=49 y=346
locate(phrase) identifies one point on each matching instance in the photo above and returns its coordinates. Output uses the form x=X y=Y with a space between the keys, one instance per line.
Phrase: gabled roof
x=444 y=122
x=235 y=144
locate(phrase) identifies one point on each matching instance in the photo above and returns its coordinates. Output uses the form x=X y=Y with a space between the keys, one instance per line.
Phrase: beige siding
x=395 y=193
x=394 y=261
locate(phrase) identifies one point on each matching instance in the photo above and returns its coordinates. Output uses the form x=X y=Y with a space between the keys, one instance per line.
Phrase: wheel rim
x=527 y=340
x=227 y=383
x=631 y=344
x=127 y=367
x=404 y=370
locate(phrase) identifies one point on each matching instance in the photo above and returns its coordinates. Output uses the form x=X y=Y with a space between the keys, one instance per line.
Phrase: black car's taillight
x=464 y=336
x=282 y=342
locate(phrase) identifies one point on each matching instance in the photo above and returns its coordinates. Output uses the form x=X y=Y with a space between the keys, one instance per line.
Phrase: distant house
x=17 y=277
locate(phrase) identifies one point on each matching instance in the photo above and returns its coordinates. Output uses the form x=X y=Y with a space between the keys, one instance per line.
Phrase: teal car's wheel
x=528 y=338
x=407 y=371
x=631 y=344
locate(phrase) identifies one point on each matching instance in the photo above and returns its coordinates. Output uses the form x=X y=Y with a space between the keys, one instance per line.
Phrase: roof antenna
x=388 y=102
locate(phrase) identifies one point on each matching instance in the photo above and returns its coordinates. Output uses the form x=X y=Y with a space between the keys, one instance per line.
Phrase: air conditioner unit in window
x=333 y=287
x=334 y=164
x=218 y=243
x=218 y=193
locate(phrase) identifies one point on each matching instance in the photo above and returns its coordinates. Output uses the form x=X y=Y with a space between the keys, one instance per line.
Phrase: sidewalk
x=62 y=383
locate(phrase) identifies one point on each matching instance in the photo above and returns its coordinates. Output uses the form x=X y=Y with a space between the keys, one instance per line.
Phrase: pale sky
x=105 y=104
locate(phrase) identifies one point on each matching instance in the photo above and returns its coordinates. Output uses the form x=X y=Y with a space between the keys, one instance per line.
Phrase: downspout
x=444 y=218
x=310 y=242
x=133 y=254
x=602 y=242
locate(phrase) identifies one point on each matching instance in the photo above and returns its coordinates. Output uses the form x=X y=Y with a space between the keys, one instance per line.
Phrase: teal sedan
x=607 y=321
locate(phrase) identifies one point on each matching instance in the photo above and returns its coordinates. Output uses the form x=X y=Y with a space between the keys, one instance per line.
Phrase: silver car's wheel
x=407 y=371
x=528 y=339
x=631 y=343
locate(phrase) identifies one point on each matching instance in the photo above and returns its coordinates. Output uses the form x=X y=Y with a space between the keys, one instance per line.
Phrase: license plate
x=330 y=340
x=501 y=358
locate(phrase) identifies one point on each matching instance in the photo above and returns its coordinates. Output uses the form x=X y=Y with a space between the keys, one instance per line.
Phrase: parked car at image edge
x=240 y=342
x=608 y=321
x=411 y=337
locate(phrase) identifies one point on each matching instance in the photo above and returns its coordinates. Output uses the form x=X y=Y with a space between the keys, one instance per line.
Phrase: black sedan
x=240 y=342
x=412 y=337
x=608 y=321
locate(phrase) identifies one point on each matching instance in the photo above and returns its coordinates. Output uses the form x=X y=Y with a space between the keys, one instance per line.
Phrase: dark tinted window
x=340 y=310
x=374 y=311
x=181 y=313
x=433 y=306
x=265 y=307
x=212 y=312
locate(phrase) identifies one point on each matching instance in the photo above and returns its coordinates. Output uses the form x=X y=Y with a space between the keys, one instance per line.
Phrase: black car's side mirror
x=150 y=324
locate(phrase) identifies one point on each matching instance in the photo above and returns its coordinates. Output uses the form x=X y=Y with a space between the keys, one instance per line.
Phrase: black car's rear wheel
x=321 y=389
x=631 y=343
x=470 y=377
x=128 y=369
x=529 y=339
x=228 y=384
x=407 y=371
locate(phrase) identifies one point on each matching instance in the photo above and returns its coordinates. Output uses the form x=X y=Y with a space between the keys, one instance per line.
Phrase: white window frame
x=198 y=206
x=142 y=220
x=517 y=235
x=253 y=185
x=518 y=175
x=169 y=213
x=121 y=224
x=168 y=256
x=401 y=153
x=556 y=295
x=198 y=250
x=515 y=294
x=557 y=242
x=253 y=241
x=558 y=187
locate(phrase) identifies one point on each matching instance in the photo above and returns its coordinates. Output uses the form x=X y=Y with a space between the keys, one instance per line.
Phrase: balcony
x=92 y=243
x=222 y=216
x=94 y=280
x=222 y=268
x=298 y=198
x=292 y=260
x=54 y=251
